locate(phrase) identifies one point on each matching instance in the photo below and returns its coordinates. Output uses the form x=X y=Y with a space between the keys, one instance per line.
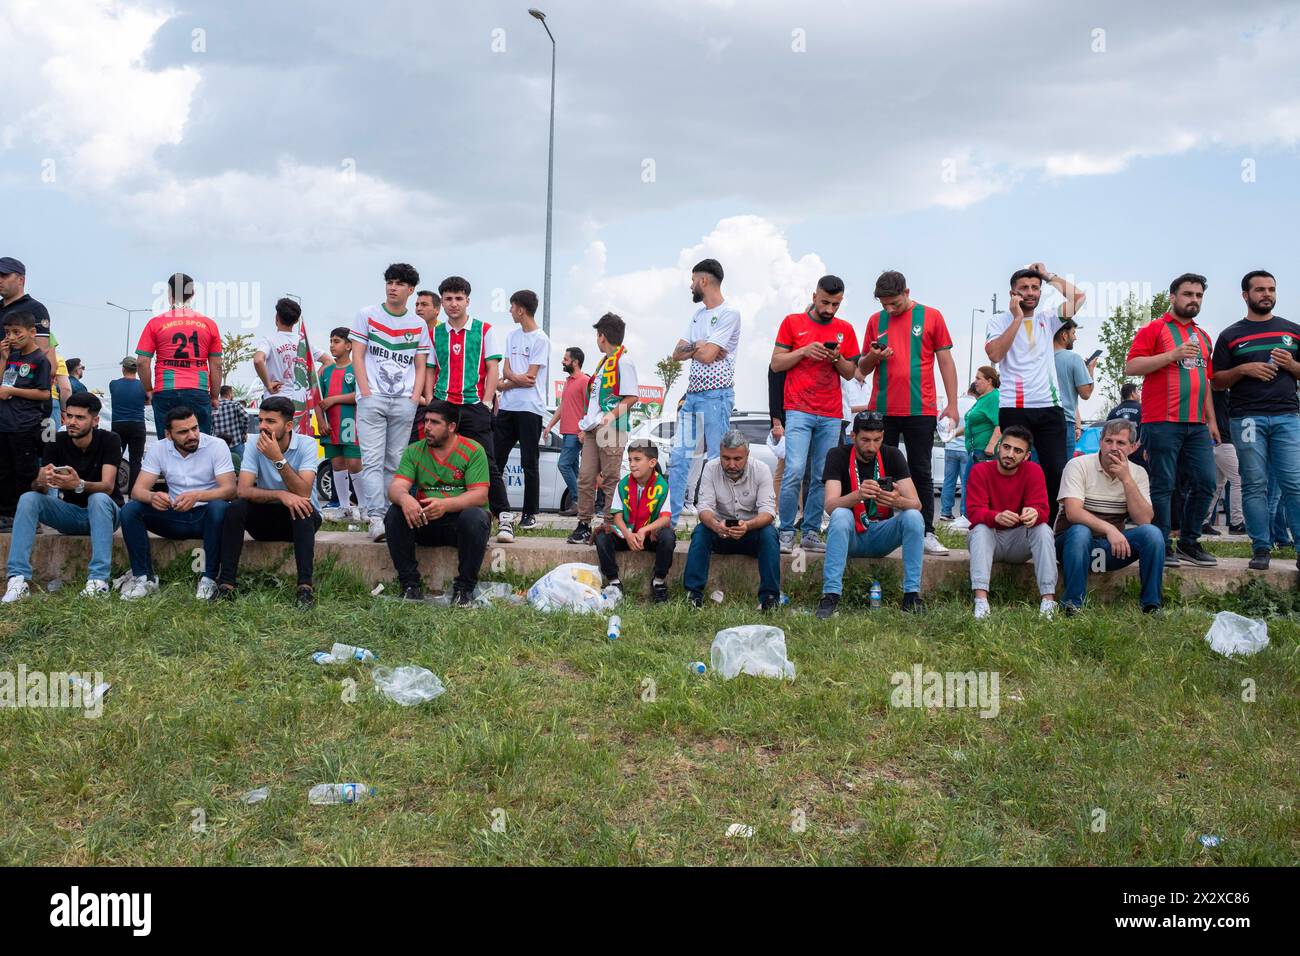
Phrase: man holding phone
x=737 y=511
x=903 y=342
x=1074 y=375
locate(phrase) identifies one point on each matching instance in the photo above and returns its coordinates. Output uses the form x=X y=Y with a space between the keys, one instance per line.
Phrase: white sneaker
x=933 y=545
x=982 y=609
x=94 y=589
x=16 y=591
x=377 y=532
x=354 y=513
x=1047 y=608
x=960 y=523
x=506 y=527
x=137 y=588
x=207 y=588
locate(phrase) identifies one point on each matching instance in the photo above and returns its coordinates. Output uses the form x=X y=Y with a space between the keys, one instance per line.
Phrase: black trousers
x=266 y=521
x=1048 y=428
x=917 y=433
x=20 y=454
x=524 y=429
x=466 y=531
x=132 y=435
x=608 y=544
x=476 y=424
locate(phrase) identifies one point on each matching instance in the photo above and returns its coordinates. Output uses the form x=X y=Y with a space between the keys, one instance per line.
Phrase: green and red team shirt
x=463 y=466
x=1175 y=393
x=904 y=384
x=462 y=358
x=180 y=343
x=392 y=344
x=814 y=387
x=341 y=418
x=1252 y=340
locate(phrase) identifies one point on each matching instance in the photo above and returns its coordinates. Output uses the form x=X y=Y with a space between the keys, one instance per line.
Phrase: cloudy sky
x=300 y=147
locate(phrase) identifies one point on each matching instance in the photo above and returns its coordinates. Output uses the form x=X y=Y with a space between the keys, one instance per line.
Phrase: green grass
x=544 y=719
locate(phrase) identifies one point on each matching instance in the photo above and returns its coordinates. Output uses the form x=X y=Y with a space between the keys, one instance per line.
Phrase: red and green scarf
x=642 y=504
x=866 y=511
x=606 y=380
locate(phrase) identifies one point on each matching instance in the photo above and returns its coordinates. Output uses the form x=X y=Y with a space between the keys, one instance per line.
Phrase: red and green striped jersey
x=339 y=380
x=1176 y=392
x=462 y=357
x=180 y=342
x=464 y=465
x=903 y=384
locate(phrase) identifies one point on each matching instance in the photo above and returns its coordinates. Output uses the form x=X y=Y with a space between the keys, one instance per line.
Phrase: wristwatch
x=279 y=465
x=80 y=489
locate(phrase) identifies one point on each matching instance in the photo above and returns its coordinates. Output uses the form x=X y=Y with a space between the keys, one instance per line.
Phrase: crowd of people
x=417 y=414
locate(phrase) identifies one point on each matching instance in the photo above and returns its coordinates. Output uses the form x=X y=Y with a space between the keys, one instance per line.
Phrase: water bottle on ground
x=330 y=793
x=344 y=652
x=697 y=667
x=875 y=595
x=615 y=628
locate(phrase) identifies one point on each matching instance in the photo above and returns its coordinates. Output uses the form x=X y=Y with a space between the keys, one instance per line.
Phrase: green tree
x=670 y=370
x=1116 y=335
x=235 y=351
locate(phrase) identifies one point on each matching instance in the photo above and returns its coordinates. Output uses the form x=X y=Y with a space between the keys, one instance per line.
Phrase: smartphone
x=886 y=484
x=1093 y=356
x=831 y=345
x=63 y=469
x=733 y=522
x=881 y=343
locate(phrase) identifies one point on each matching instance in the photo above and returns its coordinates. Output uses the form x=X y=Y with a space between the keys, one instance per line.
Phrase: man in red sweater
x=1008 y=519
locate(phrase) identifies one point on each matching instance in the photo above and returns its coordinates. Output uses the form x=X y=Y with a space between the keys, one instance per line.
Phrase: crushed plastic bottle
x=324 y=794
x=344 y=652
x=741 y=830
x=615 y=628
x=256 y=796
x=377 y=590
x=698 y=667
x=1210 y=840
x=324 y=657
x=875 y=595
x=784 y=599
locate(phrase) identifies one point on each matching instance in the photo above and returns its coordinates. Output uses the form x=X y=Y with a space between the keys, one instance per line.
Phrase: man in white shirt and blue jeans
x=521 y=404
x=710 y=343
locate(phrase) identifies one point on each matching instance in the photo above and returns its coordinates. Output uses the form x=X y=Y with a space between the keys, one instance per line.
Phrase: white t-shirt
x=392 y=343
x=281 y=350
x=855 y=393
x=1028 y=370
x=627 y=385
x=718 y=326
x=525 y=349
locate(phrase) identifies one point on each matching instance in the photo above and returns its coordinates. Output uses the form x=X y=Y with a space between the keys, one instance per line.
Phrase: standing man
x=24 y=397
x=1007 y=509
x=127 y=396
x=1020 y=343
x=183 y=350
x=1074 y=375
x=76 y=370
x=467 y=353
x=1255 y=360
x=521 y=403
x=603 y=430
x=1226 y=472
x=389 y=351
x=573 y=402
x=229 y=423
x=710 y=343
x=1179 y=430
x=901 y=345
x=815 y=350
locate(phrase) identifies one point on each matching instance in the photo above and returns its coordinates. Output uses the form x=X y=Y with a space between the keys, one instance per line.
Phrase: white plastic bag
x=572 y=587
x=407 y=685
x=754 y=649
x=1233 y=634
x=777 y=447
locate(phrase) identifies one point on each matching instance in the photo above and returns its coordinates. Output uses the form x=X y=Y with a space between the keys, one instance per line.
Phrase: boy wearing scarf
x=641 y=520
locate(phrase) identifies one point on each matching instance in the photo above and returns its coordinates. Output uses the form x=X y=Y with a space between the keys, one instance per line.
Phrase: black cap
x=9 y=265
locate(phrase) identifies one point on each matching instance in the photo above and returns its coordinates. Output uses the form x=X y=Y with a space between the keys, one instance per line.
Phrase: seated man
x=1007 y=509
x=874 y=508
x=277 y=490
x=737 y=512
x=1099 y=494
x=640 y=518
x=81 y=465
x=449 y=476
x=200 y=480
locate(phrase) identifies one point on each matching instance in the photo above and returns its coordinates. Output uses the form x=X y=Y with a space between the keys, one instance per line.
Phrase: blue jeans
x=1184 y=449
x=1277 y=508
x=1069 y=440
x=702 y=420
x=765 y=544
x=98 y=519
x=570 y=454
x=808 y=438
x=954 y=464
x=165 y=399
x=881 y=537
x=1078 y=549
x=972 y=459
x=138 y=519
x=1268 y=460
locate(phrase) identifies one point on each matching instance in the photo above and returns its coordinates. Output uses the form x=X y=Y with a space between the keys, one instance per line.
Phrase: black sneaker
x=1236 y=529
x=224 y=592
x=306 y=596
x=528 y=522
x=6 y=523
x=1210 y=530
x=1171 y=556
x=695 y=598
x=1150 y=608
x=768 y=603
x=912 y=603
x=1070 y=610
x=581 y=534
x=414 y=593
x=461 y=597
x=1259 y=561
x=659 y=592
x=1196 y=554
x=569 y=512
x=827 y=606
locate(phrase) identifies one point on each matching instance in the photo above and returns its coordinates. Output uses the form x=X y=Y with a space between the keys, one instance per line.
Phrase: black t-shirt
x=25 y=303
x=1129 y=411
x=25 y=371
x=837 y=466
x=1221 y=416
x=105 y=449
x=1250 y=341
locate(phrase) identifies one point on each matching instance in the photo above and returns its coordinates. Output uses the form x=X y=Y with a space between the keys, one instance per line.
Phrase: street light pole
x=128 y=320
x=970 y=357
x=550 y=183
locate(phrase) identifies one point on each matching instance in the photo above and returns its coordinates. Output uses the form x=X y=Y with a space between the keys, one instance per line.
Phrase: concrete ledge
x=65 y=557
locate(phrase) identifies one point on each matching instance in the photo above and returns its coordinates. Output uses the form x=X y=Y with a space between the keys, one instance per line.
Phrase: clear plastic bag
x=572 y=587
x=408 y=685
x=1233 y=634
x=485 y=592
x=754 y=649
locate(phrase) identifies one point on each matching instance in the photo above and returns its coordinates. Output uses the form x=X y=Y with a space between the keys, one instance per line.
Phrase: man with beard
x=573 y=402
x=1007 y=508
x=1020 y=343
x=710 y=343
x=1179 y=430
x=1255 y=360
x=1074 y=377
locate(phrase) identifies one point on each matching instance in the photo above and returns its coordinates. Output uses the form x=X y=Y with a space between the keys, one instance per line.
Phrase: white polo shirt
x=196 y=472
